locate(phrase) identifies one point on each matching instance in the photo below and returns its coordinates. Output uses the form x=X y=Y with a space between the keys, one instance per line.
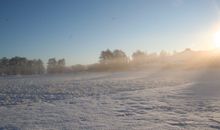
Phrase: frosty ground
x=134 y=100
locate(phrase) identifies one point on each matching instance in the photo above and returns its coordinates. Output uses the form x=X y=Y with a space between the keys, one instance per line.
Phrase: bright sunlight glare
x=217 y=39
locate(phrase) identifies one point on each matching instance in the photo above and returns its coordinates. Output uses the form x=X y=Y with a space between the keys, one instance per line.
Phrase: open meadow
x=151 y=99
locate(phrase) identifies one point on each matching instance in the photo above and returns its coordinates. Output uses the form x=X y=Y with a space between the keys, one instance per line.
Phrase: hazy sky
x=78 y=30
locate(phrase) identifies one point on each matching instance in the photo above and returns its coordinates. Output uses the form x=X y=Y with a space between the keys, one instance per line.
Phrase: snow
x=134 y=100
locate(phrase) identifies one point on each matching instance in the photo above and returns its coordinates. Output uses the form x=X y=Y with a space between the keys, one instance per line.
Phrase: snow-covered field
x=152 y=99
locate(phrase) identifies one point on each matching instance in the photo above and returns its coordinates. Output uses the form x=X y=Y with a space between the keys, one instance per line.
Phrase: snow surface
x=152 y=99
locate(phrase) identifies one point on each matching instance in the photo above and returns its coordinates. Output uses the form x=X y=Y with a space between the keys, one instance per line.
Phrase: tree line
x=56 y=66
x=187 y=59
x=111 y=60
x=21 y=65
x=118 y=60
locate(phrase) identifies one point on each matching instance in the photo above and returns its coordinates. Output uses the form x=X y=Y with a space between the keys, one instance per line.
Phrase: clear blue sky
x=78 y=30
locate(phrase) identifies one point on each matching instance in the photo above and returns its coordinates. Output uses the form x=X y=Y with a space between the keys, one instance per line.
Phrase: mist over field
x=109 y=65
x=149 y=91
x=115 y=60
x=152 y=99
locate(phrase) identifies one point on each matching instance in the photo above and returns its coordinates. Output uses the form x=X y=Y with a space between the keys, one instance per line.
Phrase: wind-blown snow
x=158 y=99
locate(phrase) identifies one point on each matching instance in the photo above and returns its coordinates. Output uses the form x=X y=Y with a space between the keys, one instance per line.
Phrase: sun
x=217 y=39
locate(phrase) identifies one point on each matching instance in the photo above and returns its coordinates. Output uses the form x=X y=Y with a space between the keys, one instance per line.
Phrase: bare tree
x=51 y=65
x=106 y=56
x=139 y=57
x=61 y=65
